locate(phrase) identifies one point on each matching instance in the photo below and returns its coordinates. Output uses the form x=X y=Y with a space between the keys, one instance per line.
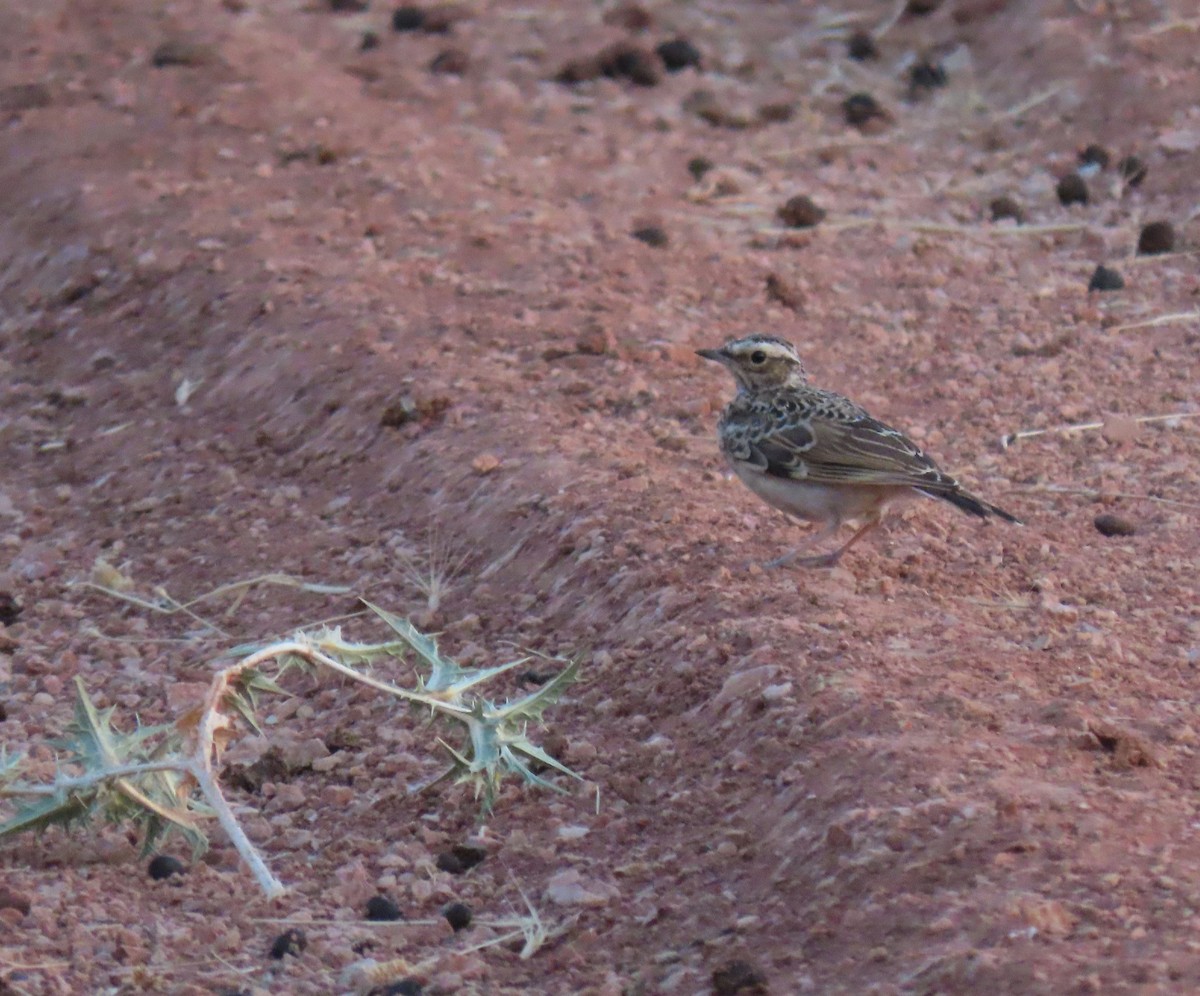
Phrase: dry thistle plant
x=163 y=778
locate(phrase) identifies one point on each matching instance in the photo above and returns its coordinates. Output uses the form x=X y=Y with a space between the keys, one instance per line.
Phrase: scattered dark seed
x=1106 y=279
x=1108 y=524
x=383 y=909
x=536 y=677
x=1006 y=207
x=630 y=16
x=859 y=108
x=370 y=40
x=699 y=165
x=1094 y=155
x=578 y=71
x=3 y=712
x=919 y=8
x=861 y=46
x=461 y=858
x=408 y=19
x=164 y=866
x=177 y=52
x=1157 y=237
x=1072 y=189
x=405 y=987
x=348 y=6
x=10 y=611
x=926 y=75
x=783 y=292
x=458 y=915
x=450 y=61
x=291 y=942
x=800 y=212
x=652 y=235
x=739 y=978
x=678 y=53
x=1132 y=171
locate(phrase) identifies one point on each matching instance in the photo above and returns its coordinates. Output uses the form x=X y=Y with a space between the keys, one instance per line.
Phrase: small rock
x=450 y=61
x=1128 y=749
x=370 y=40
x=699 y=165
x=179 y=52
x=458 y=915
x=596 y=340
x=861 y=108
x=10 y=899
x=485 y=463
x=165 y=866
x=1108 y=524
x=1006 y=207
x=738 y=978
x=1106 y=279
x=569 y=888
x=678 y=54
x=408 y=19
x=1156 y=237
x=707 y=106
x=10 y=610
x=783 y=292
x=291 y=942
x=461 y=858
x=1132 y=170
x=926 y=75
x=861 y=46
x=652 y=235
x=1095 y=156
x=383 y=909
x=776 y=112
x=800 y=212
x=1072 y=189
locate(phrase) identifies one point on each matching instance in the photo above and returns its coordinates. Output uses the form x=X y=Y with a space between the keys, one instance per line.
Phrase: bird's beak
x=712 y=354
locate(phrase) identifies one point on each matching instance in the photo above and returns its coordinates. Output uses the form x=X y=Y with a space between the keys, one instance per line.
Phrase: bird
x=816 y=455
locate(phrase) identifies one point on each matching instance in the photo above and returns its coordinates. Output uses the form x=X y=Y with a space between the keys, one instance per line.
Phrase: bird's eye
x=758 y=357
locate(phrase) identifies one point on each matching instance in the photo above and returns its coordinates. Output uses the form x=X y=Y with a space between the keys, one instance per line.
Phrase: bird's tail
x=973 y=505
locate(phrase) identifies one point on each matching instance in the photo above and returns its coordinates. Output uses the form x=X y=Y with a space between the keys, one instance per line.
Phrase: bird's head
x=759 y=362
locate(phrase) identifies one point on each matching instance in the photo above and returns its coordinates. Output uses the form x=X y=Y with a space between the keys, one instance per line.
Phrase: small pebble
x=458 y=915
x=652 y=235
x=370 y=40
x=699 y=165
x=408 y=19
x=1006 y=207
x=1072 y=189
x=630 y=16
x=1108 y=524
x=1106 y=279
x=859 y=108
x=383 y=909
x=291 y=942
x=678 y=54
x=10 y=611
x=165 y=866
x=450 y=61
x=784 y=293
x=1132 y=170
x=926 y=75
x=1156 y=237
x=1094 y=155
x=861 y=46
x=800 y=212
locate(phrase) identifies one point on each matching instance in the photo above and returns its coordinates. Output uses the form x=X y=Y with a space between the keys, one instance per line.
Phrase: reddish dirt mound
x=276 y=300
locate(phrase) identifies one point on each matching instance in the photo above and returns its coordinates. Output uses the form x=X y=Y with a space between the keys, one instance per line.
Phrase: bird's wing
x=854 y=450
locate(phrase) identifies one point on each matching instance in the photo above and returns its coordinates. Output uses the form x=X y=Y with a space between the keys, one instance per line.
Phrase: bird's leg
x=817 y=535
x=831 y=559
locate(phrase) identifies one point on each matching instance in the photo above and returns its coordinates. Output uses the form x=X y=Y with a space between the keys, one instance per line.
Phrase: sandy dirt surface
x=271 y=301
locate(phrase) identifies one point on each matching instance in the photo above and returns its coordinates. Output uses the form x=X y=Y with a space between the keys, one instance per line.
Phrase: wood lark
x=816 y=455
